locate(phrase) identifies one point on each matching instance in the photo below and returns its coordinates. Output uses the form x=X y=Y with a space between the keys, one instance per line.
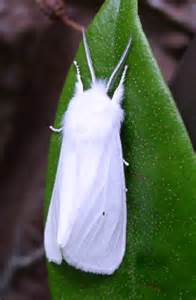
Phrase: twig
x=17 y=263
x=71 y=23
x=21 y=262
x=57 y=8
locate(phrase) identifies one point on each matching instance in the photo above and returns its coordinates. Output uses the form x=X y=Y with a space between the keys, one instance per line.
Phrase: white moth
x=86 y=223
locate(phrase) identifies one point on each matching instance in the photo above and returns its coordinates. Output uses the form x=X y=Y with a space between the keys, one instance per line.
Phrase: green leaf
x=160 y=257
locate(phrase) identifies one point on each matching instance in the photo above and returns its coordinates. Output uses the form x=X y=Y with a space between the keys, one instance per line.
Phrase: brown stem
x=57 y=9
x=65 y=19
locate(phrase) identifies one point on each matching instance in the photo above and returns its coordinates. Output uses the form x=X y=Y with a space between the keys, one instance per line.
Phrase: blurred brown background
x=35 y=54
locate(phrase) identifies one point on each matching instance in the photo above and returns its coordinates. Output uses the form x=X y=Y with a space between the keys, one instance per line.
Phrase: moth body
x=95 y=113
x=86 y=222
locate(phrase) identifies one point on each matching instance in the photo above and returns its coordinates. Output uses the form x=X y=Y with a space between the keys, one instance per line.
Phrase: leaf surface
x=160 y=256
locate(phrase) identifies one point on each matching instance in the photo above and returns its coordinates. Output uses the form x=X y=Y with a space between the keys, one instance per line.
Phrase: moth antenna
x=118 y=93
x=118 y=66
x=79 y=85
x=88 y=57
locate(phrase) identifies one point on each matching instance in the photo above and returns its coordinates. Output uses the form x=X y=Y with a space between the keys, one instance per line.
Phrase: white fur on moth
x=86 y=222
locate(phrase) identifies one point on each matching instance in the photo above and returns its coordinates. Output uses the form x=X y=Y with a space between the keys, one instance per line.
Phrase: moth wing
x=61 y=209
x=97 y=240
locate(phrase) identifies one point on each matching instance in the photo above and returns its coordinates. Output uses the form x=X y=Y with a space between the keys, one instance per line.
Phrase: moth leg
x=125 y=162
x=57 y=130
x=118 y=94
x=79 y=85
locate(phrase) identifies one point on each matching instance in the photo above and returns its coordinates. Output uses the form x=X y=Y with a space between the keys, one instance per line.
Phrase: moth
x=86 y=222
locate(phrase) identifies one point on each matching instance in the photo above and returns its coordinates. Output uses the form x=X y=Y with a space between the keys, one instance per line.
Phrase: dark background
x=35 y=54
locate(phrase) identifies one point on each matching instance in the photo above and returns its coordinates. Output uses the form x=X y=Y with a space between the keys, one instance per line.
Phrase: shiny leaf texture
x=160 y=257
